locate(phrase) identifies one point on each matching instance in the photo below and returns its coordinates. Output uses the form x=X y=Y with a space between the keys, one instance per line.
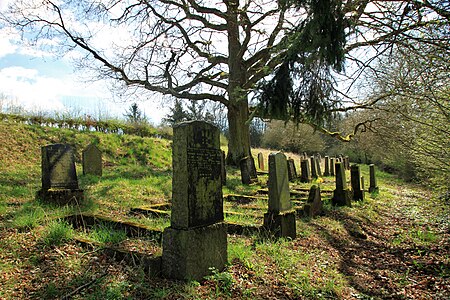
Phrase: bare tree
x=221 y=50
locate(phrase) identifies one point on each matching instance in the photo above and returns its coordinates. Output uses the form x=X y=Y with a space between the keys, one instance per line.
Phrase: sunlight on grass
x=57 y=233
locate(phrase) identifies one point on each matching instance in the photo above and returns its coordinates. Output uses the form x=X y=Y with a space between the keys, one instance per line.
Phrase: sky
x=44 y=82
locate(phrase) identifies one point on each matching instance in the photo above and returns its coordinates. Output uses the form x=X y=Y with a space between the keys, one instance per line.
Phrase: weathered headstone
x=280 y=218
x=196 y=241
x=341 y=195
x=305 y=171
x=313 y=167
x=248 y=171
x=313 y=205
x=355 y=178
x=292 y=172
x=92 y=160
x=327 y=166
x=347 y=163
x=59 y=176
x=373 y=187
x=332 y=161
x=318 y=168
x=261 y=161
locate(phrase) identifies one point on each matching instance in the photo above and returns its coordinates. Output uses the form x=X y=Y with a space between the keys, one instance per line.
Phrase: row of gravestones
x=310 y=167
x=196 y=240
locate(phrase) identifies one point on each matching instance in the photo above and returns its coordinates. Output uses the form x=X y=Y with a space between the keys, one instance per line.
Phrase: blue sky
x=40 y=81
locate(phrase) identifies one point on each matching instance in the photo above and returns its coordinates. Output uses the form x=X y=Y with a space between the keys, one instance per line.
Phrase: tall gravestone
x=305 y=171
x=292 y=172
x=341 y=195
x=280 y=218
x=327 y=166
x=355 y=179
x=318 y=168
x=261 y=161
x=332 y=161
x=248 y=170
x=92 y=160
x=196 y=240
x=373 y=187
x=59 y=176
x=313 y=167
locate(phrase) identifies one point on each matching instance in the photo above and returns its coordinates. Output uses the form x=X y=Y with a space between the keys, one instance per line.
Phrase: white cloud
x=6 y=45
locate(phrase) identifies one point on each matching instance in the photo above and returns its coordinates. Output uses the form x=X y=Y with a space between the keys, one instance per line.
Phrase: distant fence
x=89 y=124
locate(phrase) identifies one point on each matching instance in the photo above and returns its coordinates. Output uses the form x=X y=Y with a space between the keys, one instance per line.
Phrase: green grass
x=106 y=234
x=57 y=233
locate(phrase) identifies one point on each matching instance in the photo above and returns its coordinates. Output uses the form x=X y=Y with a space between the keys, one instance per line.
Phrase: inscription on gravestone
x=197 y=167
x=58 y=167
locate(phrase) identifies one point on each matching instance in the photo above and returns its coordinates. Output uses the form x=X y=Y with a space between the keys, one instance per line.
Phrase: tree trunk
x=239 y=137
x=239 y=133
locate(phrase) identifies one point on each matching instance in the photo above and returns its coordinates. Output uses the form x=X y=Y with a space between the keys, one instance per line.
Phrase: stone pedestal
x=190 y=253
x=61 y=196
x=341 y=195
x=281 y=224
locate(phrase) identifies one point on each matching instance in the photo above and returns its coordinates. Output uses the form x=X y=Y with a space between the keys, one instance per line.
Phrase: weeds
x=57 y=233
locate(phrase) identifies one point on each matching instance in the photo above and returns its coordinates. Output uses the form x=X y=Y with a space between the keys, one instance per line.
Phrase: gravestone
x=332 y=161
x=314 y=205
x=341 y=195
x=196 y=240
x=318 y=168
x=347 y=163
x=373 y=187
x=327 y=166
x=59 y=176
x=305 y=171
x=280 y=218
x=248 y=170
x=292 y=172
x=313 y=167
x=261 y=161
x=92 y=160
x=355 y=178
x=224 y=169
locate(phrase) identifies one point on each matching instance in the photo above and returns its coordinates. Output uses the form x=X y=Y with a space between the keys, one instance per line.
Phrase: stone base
x=373 y=189
x=281 y=224
x=61 y=196
x=358 y=195
x=188 y=254
x=342 y=198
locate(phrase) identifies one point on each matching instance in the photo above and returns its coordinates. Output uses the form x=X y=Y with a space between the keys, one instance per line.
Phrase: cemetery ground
x=394 y=245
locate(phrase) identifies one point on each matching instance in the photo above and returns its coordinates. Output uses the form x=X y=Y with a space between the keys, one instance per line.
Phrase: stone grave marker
x=355 y=178
x=261 y=161
x=318 y=168
x=313 y=167
x=292 y=172
x=373 y=187
x=327 y=166
x=280 y=218
x=332 y=161
x=314 y=205
x=248 y=170
x=197 y=238
x=92 y=160
x=59 y=176
x=341 y=195
x=305 y=171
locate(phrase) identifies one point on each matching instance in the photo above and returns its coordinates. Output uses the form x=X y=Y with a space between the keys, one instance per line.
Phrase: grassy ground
x=395 y=245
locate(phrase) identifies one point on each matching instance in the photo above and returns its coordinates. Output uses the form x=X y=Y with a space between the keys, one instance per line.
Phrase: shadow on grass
x=384 y=267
